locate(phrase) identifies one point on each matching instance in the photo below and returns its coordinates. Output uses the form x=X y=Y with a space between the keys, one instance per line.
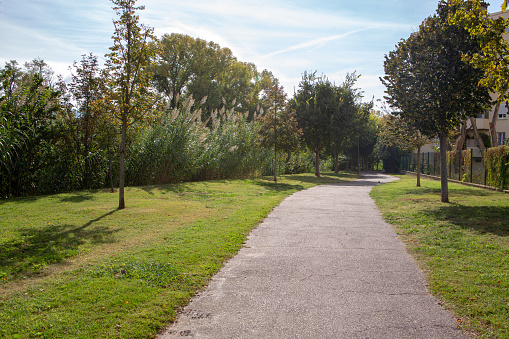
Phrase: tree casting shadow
x=35 y=248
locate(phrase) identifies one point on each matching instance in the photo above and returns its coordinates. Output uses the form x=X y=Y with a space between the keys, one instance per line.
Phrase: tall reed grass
x=183 y=148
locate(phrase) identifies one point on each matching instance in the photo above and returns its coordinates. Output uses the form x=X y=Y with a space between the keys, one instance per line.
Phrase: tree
x=279 y=128
x=188 y=67
x=173 y=68
x=87 y=88
x=397 y=132
x=343 y=121
x=430 y=84
x=493 y=55
x=127 y=64
x=315 y=104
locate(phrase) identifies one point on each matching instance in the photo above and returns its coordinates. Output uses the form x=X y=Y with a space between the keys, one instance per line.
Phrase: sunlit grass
x=463 y=246
x=73 y=266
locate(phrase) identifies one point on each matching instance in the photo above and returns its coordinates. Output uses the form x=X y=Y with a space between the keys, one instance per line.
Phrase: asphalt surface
x=323 y=264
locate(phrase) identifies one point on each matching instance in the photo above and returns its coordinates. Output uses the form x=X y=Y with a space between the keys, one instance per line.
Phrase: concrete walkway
x=322 y=265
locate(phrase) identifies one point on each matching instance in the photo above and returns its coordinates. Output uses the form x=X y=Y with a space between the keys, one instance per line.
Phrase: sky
x=286 y=37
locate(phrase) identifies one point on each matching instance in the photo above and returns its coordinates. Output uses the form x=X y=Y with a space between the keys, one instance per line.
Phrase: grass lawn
x=73 y=266
x=463 y=246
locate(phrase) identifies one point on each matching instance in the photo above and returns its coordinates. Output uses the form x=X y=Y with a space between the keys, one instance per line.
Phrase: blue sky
x=286 y=37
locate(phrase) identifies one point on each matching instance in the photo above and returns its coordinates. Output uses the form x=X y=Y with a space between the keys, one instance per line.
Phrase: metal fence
x=467 y=165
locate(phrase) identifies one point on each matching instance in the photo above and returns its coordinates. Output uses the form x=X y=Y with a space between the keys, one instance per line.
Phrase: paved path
x=322 y=265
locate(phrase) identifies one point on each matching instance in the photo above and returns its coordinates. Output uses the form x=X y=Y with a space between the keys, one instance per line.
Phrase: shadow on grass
x=325 y=178
x=19 y=200
x=482 y=219
x=77 y=197
x=278 y=187
x=173 y=188
x=463 y=191
x=35 y=248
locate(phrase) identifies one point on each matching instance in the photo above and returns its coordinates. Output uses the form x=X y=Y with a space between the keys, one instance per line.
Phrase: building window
x=501 y=138
x=503 y=115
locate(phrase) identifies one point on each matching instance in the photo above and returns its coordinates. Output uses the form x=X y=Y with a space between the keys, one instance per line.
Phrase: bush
x=497 y=163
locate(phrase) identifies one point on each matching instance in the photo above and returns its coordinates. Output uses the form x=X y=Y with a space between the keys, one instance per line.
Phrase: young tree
x=430 y=84
x=279 y=128
x=397 y=132
x=127 y=64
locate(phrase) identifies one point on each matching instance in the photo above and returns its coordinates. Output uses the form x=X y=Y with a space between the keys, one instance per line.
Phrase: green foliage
x=27 y=114
x=346 y=122
x=486 y=140
x=497 y=163
x=492 y=57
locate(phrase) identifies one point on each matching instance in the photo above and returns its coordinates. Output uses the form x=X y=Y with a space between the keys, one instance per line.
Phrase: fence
x=467 y=165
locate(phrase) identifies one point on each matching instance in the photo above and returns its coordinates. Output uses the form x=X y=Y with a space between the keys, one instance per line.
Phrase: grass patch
x=73 y=266
x=463 y=246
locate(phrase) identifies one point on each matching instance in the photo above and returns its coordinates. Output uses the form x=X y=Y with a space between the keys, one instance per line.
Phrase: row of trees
x=170 y=109
x=443 y=74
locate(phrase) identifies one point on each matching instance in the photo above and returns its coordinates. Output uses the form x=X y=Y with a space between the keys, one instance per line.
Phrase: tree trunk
x=419 y=166
x=121 y=177
x=476 y=133
x=493 y=126
x=336 y=162
x=111 y=173
x=275 y=146
x=443 y=167
x=275 y=163
x=460 y=143
x=317 y=164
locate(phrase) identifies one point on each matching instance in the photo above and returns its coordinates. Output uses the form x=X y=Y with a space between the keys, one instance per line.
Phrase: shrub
x=497 y=163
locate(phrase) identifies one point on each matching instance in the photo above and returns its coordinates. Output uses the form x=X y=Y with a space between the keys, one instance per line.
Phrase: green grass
x=463 y=246
x=73 y=266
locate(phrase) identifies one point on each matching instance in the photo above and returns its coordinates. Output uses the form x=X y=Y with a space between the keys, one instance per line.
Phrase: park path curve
x=323 y=264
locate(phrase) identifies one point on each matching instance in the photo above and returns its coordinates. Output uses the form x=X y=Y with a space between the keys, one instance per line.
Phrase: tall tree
x=315 y=104
x=431 y=85
x=173 y=67
x=87 y=88
x=127 y=64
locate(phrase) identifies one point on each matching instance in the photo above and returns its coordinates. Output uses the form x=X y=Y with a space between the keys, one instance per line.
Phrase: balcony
x=482 y=124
